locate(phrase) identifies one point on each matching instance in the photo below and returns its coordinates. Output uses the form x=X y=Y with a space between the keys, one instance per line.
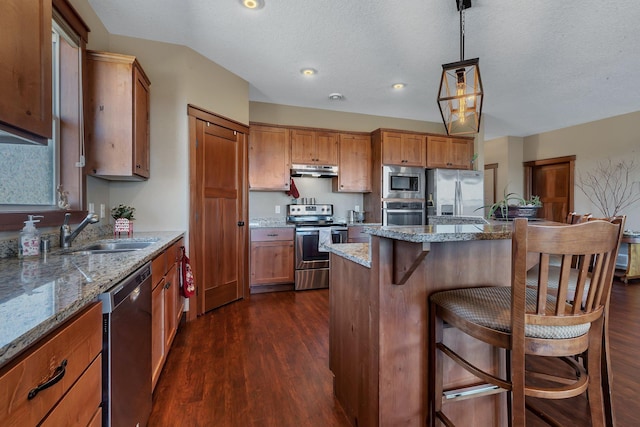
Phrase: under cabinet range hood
x=316 y=171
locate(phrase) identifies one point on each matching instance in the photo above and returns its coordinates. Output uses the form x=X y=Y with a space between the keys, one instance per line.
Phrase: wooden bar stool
x=526 y=321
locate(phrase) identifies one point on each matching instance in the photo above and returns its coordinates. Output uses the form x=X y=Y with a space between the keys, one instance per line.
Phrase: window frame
x=72 y=178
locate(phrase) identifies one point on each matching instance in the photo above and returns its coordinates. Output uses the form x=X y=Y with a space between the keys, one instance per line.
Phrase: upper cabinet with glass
x=118 y=120
x=25 y=74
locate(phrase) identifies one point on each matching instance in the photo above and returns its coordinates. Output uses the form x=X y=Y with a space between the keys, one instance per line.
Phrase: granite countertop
x=37 y=295
x=445 y=232
x=360 y=252
x=450 y=219
x=356 y=252
x=269 y=223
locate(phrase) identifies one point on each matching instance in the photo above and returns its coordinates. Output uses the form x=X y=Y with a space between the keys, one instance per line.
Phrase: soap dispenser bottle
x=29 y=245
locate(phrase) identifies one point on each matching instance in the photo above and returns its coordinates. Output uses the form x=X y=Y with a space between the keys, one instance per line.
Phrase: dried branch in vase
x=610 y=185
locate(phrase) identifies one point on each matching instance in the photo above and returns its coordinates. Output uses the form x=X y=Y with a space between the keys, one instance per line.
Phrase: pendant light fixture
x=460 y=96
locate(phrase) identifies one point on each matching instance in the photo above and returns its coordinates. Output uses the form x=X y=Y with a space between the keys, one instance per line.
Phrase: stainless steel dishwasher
x=126 y=351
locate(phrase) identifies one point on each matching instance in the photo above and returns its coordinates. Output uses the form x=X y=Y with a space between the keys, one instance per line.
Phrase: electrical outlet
x=277 y=208
x=357 y=209
x=91 y=207
x=102 y=211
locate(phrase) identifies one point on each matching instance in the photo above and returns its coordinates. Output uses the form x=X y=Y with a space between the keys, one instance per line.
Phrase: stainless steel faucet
x=66 y=236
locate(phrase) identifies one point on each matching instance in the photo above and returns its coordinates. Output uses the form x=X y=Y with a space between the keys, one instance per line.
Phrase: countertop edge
x=356 y=252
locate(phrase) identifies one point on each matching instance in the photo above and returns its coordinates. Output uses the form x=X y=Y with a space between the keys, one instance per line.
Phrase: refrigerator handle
x=458 y=200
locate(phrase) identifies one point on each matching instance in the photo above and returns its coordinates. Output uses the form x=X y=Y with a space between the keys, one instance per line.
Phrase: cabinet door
x=403 y=149
x=392 y=149
x=269 y=158
x=451 y=153
x=141 y=125
x=326 y=148
x=118 y=122
x=461 y=153
x=157 y=332
x=170 y=304
x=303 y=146
x=25 y=74
x=437 y=152
x=354 y=167
x=271 y=262
x=413 y=149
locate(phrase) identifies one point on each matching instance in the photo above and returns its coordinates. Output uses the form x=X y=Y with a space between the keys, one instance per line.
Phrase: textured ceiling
x=546 y=64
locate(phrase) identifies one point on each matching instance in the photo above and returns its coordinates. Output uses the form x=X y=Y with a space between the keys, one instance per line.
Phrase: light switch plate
x=91 y=207
x=277 y=208
x=102 y=211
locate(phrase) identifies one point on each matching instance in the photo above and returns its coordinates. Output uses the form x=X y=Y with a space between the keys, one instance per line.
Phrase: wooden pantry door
x=218 y=233
x=552 y=180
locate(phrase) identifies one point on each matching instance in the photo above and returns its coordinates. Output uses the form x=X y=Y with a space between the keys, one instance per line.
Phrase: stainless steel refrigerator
x=455 y=192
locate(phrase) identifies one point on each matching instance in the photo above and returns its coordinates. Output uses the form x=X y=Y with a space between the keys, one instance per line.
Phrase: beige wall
x=313 y=117
x=507 y=152
x=179 y=76
x=615 y=138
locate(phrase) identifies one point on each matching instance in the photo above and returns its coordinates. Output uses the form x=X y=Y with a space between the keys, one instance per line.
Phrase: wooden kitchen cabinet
x=167 y=306
x=118 y=121
x=403 y=149
x=25 y=74
x=356 y=234
x=312 y=147
x=354 y=164
x=269 y=158
x=75 y=399
x=451 y=153
x=271 y=256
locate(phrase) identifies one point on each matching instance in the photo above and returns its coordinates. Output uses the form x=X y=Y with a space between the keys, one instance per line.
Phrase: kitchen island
x=379 y=318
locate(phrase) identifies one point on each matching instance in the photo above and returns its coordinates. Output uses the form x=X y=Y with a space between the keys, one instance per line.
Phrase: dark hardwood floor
x=264 y=362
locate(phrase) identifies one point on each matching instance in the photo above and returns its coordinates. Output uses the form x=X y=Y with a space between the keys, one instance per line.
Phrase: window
x=30 y=173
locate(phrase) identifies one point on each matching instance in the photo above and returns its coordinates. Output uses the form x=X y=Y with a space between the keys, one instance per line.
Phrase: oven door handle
x=402 y=210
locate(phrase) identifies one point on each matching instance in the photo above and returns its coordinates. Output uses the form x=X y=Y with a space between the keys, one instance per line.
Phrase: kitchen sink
x=110 y=247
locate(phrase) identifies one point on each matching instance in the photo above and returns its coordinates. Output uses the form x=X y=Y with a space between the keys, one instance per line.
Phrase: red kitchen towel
x=186 y=277
x=293 y=190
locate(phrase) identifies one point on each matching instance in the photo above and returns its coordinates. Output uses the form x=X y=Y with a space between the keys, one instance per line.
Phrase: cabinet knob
x=240 y=223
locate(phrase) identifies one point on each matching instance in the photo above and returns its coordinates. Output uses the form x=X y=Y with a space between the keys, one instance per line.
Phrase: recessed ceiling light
x=336 y=96
x=398 y=85
x=253 y=4
x=308 y=71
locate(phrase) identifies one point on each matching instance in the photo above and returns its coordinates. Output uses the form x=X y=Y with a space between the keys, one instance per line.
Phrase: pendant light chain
x=461 y=9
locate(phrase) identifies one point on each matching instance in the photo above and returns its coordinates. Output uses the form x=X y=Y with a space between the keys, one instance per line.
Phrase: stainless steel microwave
x=399 y=182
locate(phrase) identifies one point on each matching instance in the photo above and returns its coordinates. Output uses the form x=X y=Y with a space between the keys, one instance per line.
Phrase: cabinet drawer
x=83 y=400
x=78 y=342
x=159 y=267
x=271 y=234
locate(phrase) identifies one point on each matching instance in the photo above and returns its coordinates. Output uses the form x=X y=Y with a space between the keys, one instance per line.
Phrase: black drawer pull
x=272 y=235
x=57 y=376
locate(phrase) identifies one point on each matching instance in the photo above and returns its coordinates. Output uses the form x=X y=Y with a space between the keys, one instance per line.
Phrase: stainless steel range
x=315 y=227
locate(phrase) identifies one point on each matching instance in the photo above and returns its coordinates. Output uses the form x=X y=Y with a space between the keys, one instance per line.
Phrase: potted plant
x=124 y=216
x=513 y=205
